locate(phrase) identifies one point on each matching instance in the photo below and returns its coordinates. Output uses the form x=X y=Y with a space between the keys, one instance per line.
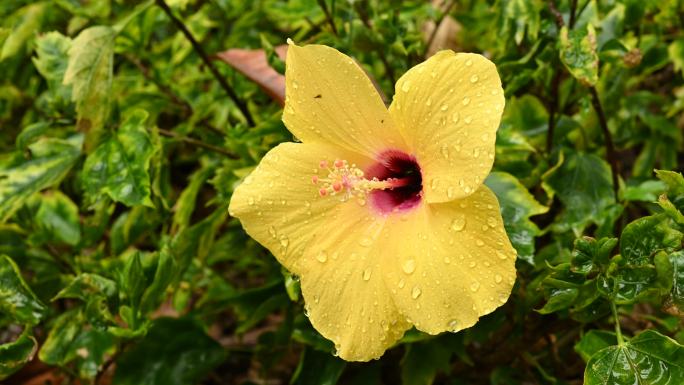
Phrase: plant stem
x=557 y=16
x=618 y=331
x=573 y=11
x=198 y=143
x=607 y=137
x=328 y=16
x=438 y=23
x=553 y=106
x=205 y=58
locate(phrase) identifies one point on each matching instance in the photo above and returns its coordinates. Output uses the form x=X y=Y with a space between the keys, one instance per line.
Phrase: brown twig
x=198 y=143
x=328 y=16
x=607 y=137
x=558 y=17
x=553 y=107
x=438 y=23
x=205 y=58
x=573 y=11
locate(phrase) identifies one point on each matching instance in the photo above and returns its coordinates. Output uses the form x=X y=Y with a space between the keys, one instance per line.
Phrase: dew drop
x=491 y=221
x=409 y=266
x=468 y=63
x=466 y=101
x=272 y=231
x=479 y=242
x=474 y=79
x=455 y=117
x=444 y=107
x=453 y=326
x=475 y=286
x=498 y=278
x=367 y=274
x=445 y=151
x=365 y=242
x=284 y=241
x=450 y=192
x=428 y=102
x=458 y=224
x=415 y=293
x=468 y=120
x=406 y=86
x=447 y=260
x=295 y=85
x=322 y=256
x=401 y=283
x=250 y=201
x=501 y=255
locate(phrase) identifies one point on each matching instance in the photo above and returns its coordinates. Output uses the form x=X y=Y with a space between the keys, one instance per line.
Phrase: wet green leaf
x=50 y=160
x=644 y=237
x=423 y=361
x=58 y=216
x=174 y=352
x=16 y=298
x=16 y=354
x=90 y=72
x=163 y=276
x=517 y=206
x=133 y=280
x=29 y=20
x=317 y=368
x=51 y=60
x=584 y=185
x=677 y=261
x=119 y=167
x=578 y=53
x=593 y=341
x=86 y=285
x=649 y=358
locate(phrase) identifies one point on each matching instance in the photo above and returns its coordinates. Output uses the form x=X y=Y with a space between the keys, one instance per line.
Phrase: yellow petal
x=449 y=263
x=327 y=242
x=448 y=110
x=329 y=99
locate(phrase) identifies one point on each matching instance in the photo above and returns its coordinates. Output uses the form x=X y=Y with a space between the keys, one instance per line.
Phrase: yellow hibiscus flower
x=382 y=212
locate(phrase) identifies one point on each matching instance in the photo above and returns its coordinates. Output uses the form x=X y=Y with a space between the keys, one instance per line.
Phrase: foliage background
x=120 y=146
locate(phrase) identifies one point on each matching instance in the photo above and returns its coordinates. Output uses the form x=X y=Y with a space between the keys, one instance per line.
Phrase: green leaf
x=58 y=216
x=517 y=205
x=423 y=361
x=16 y=298
x=642 y=238
x=174 y=352
x=649 y=358
x=578 y=53
x=30 y=20
x=90 y=72
x=677 y=261
x=593 y=341
x=133 y=280
x=675 y=187
x=119 y=167
x=50 y=161
x=70 y=341
x=51 y=60
x=86 y=285
x=163 y=276
x=185 y=204
x=16 y=354
x=676 y=52
x=584 y=185
x=317 y=368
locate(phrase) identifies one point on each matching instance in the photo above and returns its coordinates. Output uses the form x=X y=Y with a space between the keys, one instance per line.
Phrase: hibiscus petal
x=448 y=109
x=327 y=242
x=449 y=263
x=329 y=99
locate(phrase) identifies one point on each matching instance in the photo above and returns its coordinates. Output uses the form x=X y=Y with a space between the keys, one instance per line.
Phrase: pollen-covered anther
x=349 y=181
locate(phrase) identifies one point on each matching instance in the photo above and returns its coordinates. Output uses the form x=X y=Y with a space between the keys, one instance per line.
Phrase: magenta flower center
x=404 y=172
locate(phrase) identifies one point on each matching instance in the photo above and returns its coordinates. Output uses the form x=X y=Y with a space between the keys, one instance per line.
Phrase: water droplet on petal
x=450 y=192
x=501 y=255
x=401 y=283
x=498 y=278
x=474 y=79
x=466 y=101
x=322 y=256
x=409 y=266
x=415 y=293
x=468 y=63
x=491 y=221
x=445 y=107
x=468 y=120
x=433 y=183
x=445 y=151
x=250 y=201
x=284 y=242
x=272 y=231
x=475 y=286
x=365 y=242
x=406 y=86
x=367 y=274
x=447 y=260
x=453 y=326
x=455 y=117
x=479 y=242
x=458 y=224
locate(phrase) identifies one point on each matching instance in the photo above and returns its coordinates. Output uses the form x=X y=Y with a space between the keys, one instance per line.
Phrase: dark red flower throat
x=405 y=171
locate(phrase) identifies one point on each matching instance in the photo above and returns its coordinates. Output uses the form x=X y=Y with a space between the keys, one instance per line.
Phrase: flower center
x=396 y=165
x=393 y=183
